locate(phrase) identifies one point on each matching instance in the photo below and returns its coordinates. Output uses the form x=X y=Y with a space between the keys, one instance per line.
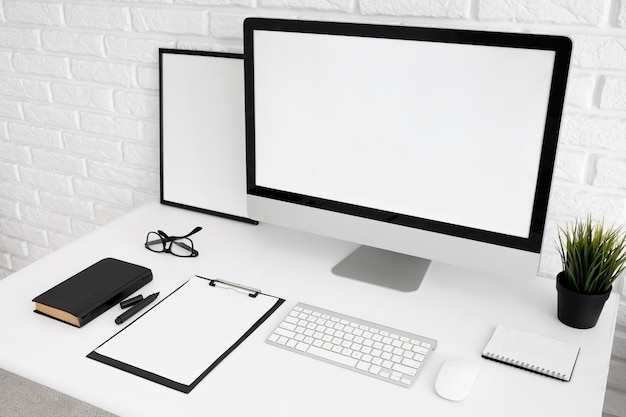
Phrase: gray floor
x=20 y=397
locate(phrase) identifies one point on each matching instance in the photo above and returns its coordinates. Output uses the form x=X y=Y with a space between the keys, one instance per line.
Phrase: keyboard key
x=284 y=332
x=335 y=357
x=288 y=326
x=364 y=366
x=404 y=369
x=301 y=346
x=412 y=363
x=374 y=369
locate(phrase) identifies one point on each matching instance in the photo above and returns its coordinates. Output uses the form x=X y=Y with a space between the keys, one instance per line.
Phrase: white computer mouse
x=456 y=378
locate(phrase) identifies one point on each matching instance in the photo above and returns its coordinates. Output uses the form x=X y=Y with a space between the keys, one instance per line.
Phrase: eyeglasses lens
x=154 y=242
x=182 y=247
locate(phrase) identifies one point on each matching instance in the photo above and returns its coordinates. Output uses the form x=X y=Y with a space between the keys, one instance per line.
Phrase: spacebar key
x=332 y=356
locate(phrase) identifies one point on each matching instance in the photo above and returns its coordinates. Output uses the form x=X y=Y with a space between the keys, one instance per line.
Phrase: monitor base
x=384 y=268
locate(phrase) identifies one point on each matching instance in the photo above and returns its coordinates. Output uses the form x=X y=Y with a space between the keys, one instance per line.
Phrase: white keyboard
x=369 y=348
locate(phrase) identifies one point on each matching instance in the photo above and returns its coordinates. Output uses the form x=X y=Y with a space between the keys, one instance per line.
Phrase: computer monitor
x=418 y=143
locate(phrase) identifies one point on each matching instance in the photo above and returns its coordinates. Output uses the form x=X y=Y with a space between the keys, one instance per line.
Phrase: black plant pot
x=581 y=311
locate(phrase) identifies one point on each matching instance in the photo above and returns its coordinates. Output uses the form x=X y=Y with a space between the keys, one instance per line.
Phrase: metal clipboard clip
x=252 y=292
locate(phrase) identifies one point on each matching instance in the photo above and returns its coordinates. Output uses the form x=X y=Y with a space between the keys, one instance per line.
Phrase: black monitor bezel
x=562 y=46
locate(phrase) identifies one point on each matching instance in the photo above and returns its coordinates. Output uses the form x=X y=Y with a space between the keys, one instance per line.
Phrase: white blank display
x=463 y=128
x=203 y=132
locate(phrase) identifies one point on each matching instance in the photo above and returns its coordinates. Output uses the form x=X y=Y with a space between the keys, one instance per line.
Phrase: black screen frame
x=562 y=46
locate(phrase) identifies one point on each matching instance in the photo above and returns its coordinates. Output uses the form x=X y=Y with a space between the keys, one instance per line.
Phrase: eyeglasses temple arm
x=171 y=238
x=194 y=231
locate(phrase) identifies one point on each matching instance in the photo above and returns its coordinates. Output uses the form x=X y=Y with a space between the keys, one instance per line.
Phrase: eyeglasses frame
x=165 y=239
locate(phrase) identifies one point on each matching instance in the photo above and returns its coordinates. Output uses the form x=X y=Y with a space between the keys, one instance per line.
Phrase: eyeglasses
x=181 y=246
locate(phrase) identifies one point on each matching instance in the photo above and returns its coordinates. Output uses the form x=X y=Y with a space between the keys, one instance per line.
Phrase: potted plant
x=593 y=258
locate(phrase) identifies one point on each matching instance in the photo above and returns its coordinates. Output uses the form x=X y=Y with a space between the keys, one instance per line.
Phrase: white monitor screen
x=448 y=130
x=440 y=131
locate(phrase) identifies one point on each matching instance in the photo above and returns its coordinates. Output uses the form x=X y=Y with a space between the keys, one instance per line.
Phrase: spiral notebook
x=533 y=352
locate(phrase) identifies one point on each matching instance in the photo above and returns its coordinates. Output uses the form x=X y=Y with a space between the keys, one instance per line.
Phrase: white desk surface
x=459 y=308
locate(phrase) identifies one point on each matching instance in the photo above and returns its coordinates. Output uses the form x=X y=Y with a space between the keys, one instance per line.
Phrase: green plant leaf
x=593 y=256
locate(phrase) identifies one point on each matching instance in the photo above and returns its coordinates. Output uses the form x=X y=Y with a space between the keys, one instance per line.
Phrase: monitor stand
x=385 y=268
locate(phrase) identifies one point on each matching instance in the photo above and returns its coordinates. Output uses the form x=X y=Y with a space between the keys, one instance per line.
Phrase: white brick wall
x=79 y=107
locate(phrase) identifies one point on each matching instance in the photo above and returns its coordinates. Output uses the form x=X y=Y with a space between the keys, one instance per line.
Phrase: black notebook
x=533 y=352
x=84 y=296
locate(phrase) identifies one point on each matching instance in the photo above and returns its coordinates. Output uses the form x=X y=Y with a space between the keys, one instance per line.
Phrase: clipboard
x=177 y=342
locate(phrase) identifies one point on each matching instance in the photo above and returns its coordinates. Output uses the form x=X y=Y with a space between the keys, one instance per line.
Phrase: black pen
x=134 y=309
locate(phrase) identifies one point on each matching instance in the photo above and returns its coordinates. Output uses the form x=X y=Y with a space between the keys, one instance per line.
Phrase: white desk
x=458 y=308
